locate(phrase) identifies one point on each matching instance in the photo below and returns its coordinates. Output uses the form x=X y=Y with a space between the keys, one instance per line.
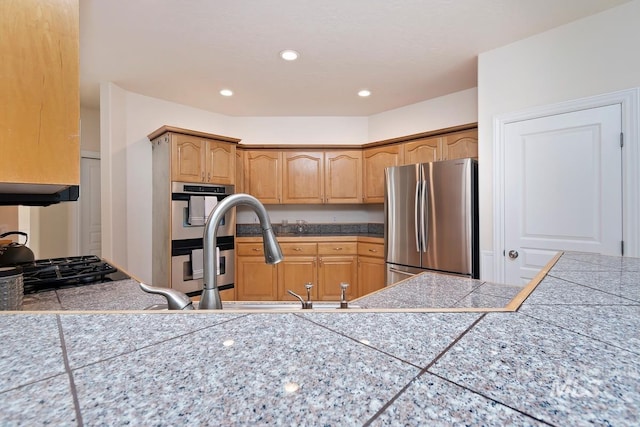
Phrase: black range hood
x=28 y=198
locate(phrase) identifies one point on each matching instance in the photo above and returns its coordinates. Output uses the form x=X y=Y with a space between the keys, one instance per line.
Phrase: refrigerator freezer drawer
x=398 y=273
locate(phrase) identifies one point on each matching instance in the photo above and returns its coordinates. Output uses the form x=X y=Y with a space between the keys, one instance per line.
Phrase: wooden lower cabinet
x=255 y=280
x=371 y=267
x=293 y=274
x=325 y=264
x=334 y=270
x=228 y=295
x=370 y=274
x=337 y=263
x=298 y=268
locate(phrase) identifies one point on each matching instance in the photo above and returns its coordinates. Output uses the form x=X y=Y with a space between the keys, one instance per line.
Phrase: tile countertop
x=568 y=356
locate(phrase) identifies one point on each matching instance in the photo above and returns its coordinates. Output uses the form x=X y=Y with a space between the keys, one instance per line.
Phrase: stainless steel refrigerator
x=431 y=219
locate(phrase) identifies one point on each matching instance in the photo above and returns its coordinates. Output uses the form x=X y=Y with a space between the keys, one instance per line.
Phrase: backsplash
x=315 y=229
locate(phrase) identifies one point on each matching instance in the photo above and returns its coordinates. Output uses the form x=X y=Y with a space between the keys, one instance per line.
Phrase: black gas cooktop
x=55 y=273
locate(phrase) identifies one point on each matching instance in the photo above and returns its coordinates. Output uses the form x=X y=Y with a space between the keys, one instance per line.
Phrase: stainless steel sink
x=266 y=306
x=285 y=306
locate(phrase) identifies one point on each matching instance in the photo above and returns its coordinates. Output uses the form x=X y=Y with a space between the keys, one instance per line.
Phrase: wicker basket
x=11 y=288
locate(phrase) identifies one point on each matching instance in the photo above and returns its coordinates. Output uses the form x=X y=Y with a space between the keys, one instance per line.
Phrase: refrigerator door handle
x=424 y=220
x=416 y=216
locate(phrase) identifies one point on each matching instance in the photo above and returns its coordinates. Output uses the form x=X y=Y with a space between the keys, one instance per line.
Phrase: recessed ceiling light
x=226 y=92
x=364 y=93
x=289 y=55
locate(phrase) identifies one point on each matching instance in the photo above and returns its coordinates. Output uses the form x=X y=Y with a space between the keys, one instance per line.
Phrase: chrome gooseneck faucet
x=211 y=294
x=272 y=253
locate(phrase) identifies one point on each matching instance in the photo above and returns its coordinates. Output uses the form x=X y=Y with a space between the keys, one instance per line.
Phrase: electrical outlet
x=334 y=219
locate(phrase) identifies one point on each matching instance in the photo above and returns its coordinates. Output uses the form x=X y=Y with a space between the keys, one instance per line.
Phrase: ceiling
x=403 y=51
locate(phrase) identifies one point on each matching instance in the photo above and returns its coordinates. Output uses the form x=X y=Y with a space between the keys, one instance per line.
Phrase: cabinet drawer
x=249 y=249
x=338 y=248
x=375 y=250
x=295 y=249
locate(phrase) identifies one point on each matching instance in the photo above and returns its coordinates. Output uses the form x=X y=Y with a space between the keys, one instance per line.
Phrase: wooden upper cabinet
x=303 y=177
x=375 y=160
x=220 y=163
x=460 y=145
x=263 y=175
x=202 y=160
x=39 y=92
x=188 y=160
x=423 y=150
x=343 y=176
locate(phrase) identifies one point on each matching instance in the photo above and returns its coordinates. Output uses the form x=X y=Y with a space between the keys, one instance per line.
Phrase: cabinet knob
x=297 y=249
x=337 y=249
x=255 y=249
x=373 y=250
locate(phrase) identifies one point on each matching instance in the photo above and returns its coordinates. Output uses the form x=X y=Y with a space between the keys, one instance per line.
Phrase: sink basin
x=266 y=306
x=286 y=306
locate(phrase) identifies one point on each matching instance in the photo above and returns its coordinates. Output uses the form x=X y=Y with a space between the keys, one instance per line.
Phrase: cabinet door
x=375 y=160
x=39 y=92
x=263 y=175
x=422 y=151
x=255 y=280
x=303 y=180
x=343 y=176
x=333 y=270
x=294 y=273
x=187 y=158
x=220 y=163
x=370 y=274
x=228 y=295
x=460 y=145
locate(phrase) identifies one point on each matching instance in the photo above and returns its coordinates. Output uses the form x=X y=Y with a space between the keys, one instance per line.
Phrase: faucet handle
x=343 y=295
x=308 y=287
x=176 y=300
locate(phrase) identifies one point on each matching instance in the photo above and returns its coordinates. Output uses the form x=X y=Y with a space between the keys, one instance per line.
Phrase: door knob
x=513 y=254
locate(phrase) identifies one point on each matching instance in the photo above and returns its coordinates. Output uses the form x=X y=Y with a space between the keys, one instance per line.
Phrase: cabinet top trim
x=421 y=135
x=400 y=139
x=164 y=129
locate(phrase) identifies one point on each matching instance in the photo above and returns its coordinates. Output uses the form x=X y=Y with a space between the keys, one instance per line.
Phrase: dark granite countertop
x=315 y=230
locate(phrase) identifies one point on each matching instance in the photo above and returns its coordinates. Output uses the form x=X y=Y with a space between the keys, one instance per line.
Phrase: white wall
x=438 y=113
x=299 y=130
x=595 y=55
x=89 y=129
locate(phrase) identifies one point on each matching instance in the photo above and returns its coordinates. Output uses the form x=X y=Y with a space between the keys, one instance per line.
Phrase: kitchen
x=494 y=96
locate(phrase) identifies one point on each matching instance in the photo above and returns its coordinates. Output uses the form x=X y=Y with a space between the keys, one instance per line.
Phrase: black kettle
x=15 y=253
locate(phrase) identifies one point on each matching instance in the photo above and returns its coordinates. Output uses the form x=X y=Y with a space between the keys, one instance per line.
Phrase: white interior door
x=563 y=188
x=90 y=216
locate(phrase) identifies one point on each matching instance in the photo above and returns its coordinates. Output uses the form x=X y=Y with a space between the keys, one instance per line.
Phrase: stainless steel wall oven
x=191 y=204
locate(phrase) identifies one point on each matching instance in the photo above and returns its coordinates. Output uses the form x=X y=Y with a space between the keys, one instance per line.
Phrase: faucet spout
x=272 y=253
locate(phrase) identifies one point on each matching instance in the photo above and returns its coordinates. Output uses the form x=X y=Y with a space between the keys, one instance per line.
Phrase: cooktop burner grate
x=54 y=273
